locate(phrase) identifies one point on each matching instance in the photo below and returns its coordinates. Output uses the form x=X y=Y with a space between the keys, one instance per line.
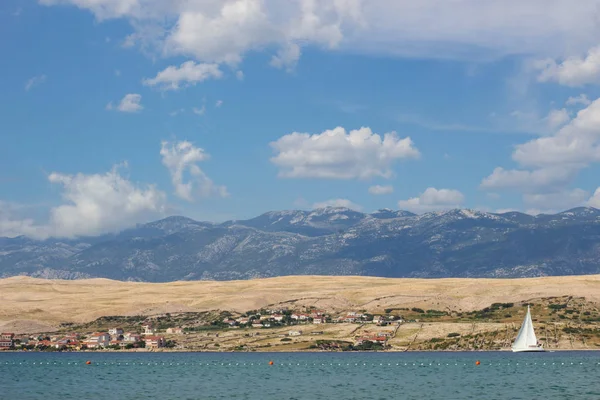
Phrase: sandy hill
x=40 y=303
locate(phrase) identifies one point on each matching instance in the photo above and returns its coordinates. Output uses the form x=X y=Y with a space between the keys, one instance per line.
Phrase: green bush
x=453 y=334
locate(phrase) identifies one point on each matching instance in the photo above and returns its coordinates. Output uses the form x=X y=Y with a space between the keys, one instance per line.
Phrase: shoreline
x=284 y=351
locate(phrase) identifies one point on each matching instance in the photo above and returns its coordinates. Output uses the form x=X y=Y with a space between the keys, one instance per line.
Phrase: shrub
x=453 y=334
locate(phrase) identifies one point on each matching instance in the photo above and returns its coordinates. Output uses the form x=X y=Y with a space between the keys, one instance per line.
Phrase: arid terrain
x=565 y=309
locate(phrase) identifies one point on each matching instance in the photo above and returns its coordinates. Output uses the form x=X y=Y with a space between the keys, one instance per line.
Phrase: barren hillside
x=36 y=303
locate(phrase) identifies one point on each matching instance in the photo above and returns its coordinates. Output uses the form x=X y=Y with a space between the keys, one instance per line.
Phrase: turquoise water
x=166 y=376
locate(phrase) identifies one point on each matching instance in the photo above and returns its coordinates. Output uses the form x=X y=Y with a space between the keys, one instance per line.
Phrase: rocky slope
x=332 y=241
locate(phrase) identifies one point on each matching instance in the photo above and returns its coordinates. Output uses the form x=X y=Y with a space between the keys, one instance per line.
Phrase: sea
x=311 y=376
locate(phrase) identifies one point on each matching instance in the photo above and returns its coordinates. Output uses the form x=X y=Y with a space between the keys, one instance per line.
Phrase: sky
x=118 y=112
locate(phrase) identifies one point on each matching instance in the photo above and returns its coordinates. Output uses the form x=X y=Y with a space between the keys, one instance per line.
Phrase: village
x=148 y=337
x=562 y=322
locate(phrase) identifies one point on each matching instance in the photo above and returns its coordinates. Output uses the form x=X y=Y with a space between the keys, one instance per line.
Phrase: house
x=154 y=342
x=229 y=321
x=6 y=340
x=176 y=331
x=243 y=321
x=148 y=329
x=299 y=317
x=318 y=320
x=295 y=333
x=132 y=337
x=278 y=317
x=350 y=319
x=255 y=325
x=115 y=331
x=98 y=339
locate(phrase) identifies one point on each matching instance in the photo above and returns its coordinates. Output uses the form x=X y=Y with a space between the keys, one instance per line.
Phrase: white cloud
x=35 y=81
x=573 y=71
x=130 y=104
x=224 y=30
x=594 y=201
x=379 y=189
x=339 y=154
x=187 y=74
x=543 y=179
x=12 y=224
x=557 y=118
x=219 y=103
x=199 y=111
x=337 y=203
x=581 y=99
x=93 y=205
x=433 y=199
x=532 y=122
x=575 y=144
x=287 y=57
x=182 y=157
x=549 y=164
x=559 y=201
x=240 y=75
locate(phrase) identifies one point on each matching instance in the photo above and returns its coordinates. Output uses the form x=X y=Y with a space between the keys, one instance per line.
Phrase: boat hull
x=540 y=350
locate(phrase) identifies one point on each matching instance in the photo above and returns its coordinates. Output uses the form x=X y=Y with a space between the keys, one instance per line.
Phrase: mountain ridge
x=325 y=241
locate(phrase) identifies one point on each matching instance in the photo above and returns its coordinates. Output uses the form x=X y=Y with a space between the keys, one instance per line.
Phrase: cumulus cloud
x=532 y=122
x=93 y=204
x=240 y=75
x=581 y=99
x=35 y=81
x=544 y=179
x=130 y=103
x=549 y=164
x=379 y=189
x=223 y=31
x=181 y=157
x=594 y=201
x=12 y=223
x=573 y=71
x=574 y=144
x=338 y=203
x=557 y=118
x=559 y=201
x=187 y=74
x=433 y=199
x=338 y=154
x=219 y=103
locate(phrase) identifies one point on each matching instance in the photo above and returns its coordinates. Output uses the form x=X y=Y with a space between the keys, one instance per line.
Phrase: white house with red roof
x=98 y=339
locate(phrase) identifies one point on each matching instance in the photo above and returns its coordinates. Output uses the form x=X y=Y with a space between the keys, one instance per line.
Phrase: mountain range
x=327 y=241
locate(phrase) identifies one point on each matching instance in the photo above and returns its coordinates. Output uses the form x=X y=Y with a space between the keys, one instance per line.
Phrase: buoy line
x=288 y=364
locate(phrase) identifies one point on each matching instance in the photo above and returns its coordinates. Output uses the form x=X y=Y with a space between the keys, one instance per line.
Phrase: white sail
x=526 y=340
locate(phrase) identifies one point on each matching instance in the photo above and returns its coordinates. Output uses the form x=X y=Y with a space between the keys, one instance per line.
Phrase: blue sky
x=91 y=91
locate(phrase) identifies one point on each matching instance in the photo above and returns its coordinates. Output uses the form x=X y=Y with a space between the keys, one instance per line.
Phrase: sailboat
x=526 y=340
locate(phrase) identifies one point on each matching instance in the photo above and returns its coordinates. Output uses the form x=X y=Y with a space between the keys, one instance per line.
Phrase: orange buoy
x=477 y=362
x=88 y=362
x=270 y=362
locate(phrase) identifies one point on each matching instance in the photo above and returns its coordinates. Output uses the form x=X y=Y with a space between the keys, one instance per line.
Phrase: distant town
x=564 y=322
x=148 y=336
